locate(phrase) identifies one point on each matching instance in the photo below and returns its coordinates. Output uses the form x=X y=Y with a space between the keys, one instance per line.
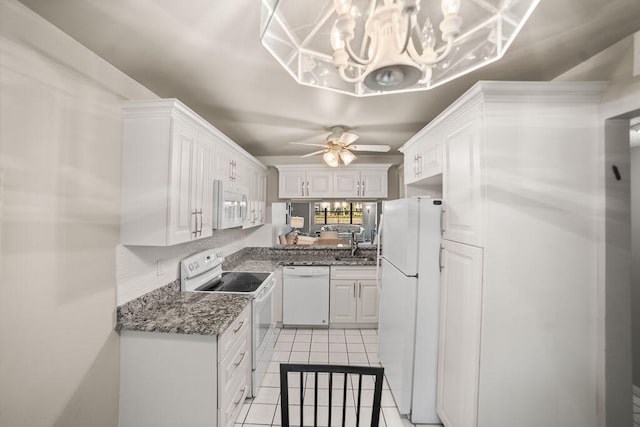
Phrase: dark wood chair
x=335 y=374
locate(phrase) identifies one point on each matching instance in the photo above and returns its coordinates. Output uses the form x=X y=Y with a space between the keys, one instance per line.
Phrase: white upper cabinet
x=318 y=182
x=423 y=156
x=346 y=184
x=374 y=183
x=463 y=184
x=298 y=183
x=170 y=158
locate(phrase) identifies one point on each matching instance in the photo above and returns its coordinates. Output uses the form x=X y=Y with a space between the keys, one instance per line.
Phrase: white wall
x=137 y=266
x=60 y=145
x=621 y=101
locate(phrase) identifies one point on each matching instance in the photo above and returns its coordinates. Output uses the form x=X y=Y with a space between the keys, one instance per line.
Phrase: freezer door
x=400 y=234
x=396 y=332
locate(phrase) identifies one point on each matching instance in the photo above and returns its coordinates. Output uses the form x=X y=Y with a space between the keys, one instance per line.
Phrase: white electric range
x=202 y=272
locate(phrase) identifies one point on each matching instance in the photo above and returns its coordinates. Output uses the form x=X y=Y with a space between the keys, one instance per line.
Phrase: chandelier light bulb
x=342 y=6
x=450 y=7
x=336 y=39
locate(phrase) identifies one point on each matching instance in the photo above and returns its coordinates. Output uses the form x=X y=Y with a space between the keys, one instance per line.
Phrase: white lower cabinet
x=169 y=380
x=342 y=301
x=353 y=296
x=460 y=327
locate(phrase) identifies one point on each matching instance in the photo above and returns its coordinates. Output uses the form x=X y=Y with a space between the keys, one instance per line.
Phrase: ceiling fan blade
x=306 y=143
x=312 y=154
x=378 y=148
x=348 y=138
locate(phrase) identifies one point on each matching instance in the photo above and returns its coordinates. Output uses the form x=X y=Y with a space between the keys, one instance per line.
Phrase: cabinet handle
x=241 y=359
x=442 y=221
x=359 y=290
x=302 y=188
x=307 y=188
x=240 y=394
x=440 y=258
x=354 y=289
x=238 y=328
x=362 y=185
x=195 y=219
x=358 y=188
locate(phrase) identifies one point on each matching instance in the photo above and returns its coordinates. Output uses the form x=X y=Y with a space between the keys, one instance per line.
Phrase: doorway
x=618 y=308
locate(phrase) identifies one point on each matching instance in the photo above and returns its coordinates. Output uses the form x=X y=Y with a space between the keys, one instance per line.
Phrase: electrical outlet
x=160 y=267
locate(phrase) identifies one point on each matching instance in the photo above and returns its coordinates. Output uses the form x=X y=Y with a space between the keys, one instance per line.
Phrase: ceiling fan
x=339 y=146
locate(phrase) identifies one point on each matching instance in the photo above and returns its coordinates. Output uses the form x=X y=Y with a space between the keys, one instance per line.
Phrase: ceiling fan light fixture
x=347 y=156
x=365 y=48
x=331 y=158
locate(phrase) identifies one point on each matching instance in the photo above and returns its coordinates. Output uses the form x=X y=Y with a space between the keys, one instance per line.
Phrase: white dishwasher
x=305 y=296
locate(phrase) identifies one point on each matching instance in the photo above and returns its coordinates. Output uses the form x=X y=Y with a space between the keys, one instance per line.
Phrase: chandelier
x=372 y=47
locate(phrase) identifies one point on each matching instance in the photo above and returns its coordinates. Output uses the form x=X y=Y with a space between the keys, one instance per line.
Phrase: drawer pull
x=239 y=326
x=241 y=359
x=241 y=393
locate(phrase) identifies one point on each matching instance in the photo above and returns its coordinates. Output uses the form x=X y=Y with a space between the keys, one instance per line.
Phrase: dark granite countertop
x=267 y=259
x=168 y=310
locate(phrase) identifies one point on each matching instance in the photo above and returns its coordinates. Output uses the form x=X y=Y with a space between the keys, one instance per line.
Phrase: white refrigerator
x=409 y=304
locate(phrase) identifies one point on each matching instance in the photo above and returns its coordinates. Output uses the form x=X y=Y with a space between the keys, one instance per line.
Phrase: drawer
x=230 y=411
x=353 y=272
x=235 y=331
x=234 y=365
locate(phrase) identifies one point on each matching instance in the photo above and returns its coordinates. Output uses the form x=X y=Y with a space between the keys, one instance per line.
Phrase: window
x=337 y=213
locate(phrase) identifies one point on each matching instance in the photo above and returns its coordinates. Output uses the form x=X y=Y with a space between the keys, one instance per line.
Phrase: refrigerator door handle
x=442 y=221
x=440 y=258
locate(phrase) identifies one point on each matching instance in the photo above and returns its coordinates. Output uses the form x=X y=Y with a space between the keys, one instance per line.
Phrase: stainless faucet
x=354 y=243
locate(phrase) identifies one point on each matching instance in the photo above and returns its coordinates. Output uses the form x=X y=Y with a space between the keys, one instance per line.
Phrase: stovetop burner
x=235 y=282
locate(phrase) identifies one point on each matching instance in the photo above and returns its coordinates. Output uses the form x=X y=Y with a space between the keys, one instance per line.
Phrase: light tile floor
x=333 y=346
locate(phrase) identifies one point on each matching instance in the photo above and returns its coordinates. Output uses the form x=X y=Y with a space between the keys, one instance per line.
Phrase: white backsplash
x=137 y=270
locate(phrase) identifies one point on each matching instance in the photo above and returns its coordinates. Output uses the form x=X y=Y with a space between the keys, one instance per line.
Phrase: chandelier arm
x=346 y=78
x=355 y=57
x=426 y=61
x=411 y=23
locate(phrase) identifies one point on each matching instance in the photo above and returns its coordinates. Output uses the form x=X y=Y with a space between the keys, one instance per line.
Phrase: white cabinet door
x=463 y=187
x=460 y=330
x=346 y=184
x=343 y=301
x=182 y=219
x=431 y=160
x=367 y=306
x=222 y=156
x=319 y=184
x=373 y=184
x=292 y=184
x=201 y=185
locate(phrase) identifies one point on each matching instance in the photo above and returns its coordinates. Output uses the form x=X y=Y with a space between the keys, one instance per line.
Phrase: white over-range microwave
x=229 y=205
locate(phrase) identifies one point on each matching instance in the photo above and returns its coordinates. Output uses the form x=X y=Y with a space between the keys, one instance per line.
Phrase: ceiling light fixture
x=332 y=158
x=372 y=47
x=347 y=156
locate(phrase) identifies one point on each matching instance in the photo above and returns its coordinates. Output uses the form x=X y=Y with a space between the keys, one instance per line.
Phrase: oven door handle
x=264 y=294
